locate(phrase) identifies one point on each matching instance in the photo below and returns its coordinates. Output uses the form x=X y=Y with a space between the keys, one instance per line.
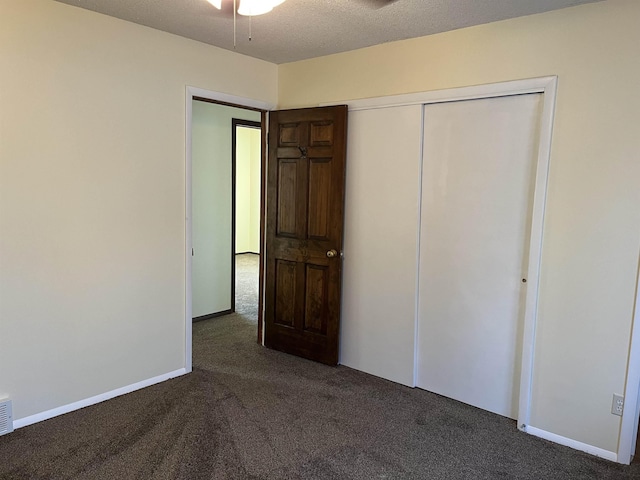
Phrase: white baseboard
x=54 y=412
x=567 y=442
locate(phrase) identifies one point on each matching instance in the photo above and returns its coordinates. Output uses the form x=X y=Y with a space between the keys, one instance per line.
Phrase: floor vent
x=6 y=417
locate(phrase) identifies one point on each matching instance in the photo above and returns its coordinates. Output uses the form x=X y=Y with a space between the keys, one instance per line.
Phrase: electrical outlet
x=617 y=406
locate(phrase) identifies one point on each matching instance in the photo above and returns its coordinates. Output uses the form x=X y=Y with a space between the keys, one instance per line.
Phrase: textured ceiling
x=300 y=29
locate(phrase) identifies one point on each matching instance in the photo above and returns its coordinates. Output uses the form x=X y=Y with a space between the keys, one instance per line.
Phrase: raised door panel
x=289 y=135
x=287 y=193
x=321 y=134
x=319 y=198
x=285 y=290
x=316 y=299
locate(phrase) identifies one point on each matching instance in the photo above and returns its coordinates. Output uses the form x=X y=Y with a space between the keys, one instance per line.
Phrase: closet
x=443 y=229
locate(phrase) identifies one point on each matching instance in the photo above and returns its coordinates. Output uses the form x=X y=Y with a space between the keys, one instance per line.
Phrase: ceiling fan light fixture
x=257 y=7
x=216 y=3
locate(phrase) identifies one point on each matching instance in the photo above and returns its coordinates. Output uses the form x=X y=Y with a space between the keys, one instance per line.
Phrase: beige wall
x=592 y=229
x=92 y=197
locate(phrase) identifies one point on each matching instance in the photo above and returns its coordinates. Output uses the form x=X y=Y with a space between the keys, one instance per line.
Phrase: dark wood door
x=305 y=200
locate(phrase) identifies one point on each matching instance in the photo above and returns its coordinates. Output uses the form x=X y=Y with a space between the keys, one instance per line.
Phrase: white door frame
x=192 y=92
x=548 y=87
x=629 y=426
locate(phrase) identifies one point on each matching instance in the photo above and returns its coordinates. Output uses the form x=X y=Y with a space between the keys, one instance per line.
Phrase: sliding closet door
x=477 y=191
x=380 y=241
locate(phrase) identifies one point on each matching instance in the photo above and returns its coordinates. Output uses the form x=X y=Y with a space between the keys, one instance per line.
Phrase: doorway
x=196 y=97
x=215 y=147
x=324 y=139
x=246 y=160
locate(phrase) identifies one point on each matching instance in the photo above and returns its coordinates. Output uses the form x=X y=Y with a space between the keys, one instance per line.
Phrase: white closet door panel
x=380 y=242
x=477 y=187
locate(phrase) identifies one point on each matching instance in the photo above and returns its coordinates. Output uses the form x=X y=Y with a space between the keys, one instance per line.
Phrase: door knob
x=332 y=253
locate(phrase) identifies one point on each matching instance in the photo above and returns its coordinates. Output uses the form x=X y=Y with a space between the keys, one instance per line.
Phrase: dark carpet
x=251 y=413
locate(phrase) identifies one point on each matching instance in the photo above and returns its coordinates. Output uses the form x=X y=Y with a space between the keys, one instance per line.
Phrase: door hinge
x=192 y=252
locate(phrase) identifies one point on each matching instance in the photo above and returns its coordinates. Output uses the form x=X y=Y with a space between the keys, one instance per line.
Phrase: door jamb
x=548 y=87
x=192 y=93
x=263 y=222
x=629 y=425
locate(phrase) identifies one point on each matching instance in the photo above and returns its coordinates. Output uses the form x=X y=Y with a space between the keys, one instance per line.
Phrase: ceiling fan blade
x=378 y=3
x=225 y=11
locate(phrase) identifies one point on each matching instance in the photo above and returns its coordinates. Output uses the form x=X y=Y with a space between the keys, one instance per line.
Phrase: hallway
x=247 y=269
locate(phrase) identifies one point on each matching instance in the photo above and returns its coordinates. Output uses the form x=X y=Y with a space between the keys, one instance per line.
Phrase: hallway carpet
x=251 y=413
x=247 y=271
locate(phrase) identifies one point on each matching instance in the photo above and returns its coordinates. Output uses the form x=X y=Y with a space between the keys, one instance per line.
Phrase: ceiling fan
x=259 y=7
x=251 y=7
